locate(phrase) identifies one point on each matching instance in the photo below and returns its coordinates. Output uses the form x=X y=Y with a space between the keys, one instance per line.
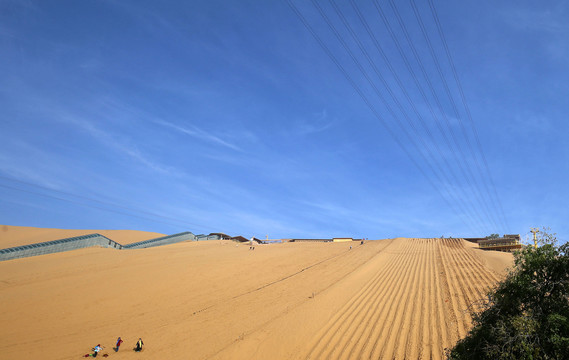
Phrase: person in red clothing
x=119 y=342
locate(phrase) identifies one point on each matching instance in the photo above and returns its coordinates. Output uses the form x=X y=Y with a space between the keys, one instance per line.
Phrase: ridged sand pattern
x=414 y=307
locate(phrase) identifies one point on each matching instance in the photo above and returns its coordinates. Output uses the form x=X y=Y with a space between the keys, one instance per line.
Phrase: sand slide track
x=347 y=317
x=456 y=296
x=385 y=304
x=398 y=335
x=420 y=320
x=406 y=309
x=403 y=288
x=476 y=276
x=385 y=282
x=450 y=315
x=339 y=317
x=394 y=344
x=326 y=336
x=464 y=280
x=441 y=337
x=378 y=297
x=486 y=274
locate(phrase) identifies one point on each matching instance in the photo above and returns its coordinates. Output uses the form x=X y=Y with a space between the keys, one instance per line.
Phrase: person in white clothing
x=96 y=350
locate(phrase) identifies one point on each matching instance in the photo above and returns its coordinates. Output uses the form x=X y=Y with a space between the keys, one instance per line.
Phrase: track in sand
x=415 y=306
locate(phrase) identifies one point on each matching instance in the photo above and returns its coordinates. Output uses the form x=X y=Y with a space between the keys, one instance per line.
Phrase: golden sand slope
x=23 y=235
x=413 y=308
x=401 y=298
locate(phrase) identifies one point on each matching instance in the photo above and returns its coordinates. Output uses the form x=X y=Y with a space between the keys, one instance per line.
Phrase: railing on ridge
x=83 y=241
x=165 y=240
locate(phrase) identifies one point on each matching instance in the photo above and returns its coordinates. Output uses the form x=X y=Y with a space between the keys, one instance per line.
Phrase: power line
x=370 y=106
x=476 y=192
x=402 y=87
x=386 y=85
x=468 y=113
x=420 y=88
x=446 y=88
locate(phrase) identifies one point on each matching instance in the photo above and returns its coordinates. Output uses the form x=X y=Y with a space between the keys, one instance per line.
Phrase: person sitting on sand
x=96 y=350
x=119 y=342
x=139 y=344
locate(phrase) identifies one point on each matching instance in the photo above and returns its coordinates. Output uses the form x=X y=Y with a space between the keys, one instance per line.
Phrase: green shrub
x=526 y=315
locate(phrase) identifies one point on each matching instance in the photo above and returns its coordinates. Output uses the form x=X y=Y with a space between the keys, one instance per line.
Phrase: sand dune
x=22 y=235
x=498 y=261
x=400 y=298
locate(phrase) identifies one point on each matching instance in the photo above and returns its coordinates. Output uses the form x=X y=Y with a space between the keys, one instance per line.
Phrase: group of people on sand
x=99 y=348
x=361 y=243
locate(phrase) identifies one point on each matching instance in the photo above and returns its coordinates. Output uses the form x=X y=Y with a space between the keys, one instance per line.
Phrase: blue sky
x=217 y=116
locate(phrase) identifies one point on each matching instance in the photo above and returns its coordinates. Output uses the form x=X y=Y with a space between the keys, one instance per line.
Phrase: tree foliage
x=493 y=236
x=527 y=314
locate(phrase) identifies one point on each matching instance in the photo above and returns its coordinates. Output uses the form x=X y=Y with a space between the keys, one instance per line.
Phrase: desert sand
x=397 y=298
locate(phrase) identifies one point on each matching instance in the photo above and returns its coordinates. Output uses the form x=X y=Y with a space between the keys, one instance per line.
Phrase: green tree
x=493 y=236
x=527 y=315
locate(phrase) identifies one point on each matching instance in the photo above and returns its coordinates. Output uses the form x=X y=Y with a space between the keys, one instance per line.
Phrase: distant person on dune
x=96 y=350
x=119 y=342
x=139 y=344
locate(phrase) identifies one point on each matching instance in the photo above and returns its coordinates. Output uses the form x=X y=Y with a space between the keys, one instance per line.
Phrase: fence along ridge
x=83 y=241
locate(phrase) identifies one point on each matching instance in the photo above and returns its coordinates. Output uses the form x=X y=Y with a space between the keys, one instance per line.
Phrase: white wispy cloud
x=148 y=19
x=119 y=144
x=198 y=133
x=91 y=64
x=27 y=163
x=375 y=217
x=544 y=20
x=528 y=124
x=549 y=21
x=318 y=123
